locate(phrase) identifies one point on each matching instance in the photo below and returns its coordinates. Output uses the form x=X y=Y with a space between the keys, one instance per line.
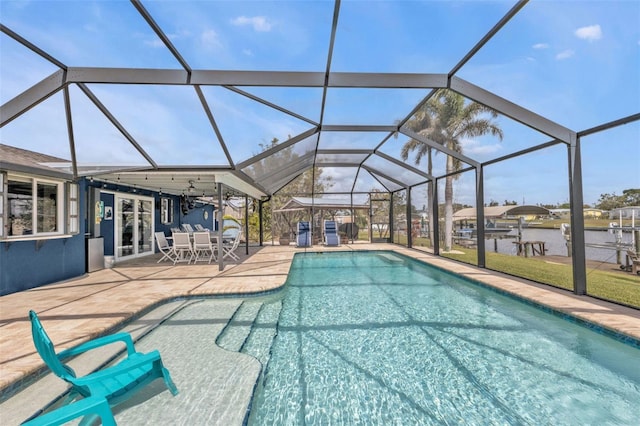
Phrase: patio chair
x=116 y=383
x=230 y=243
x=303 y=238
x=187 y=228
x=202 y=247
x=182 y=247
x=164 y=247
x=201 y=228
x=87 y=408
x=331 y=237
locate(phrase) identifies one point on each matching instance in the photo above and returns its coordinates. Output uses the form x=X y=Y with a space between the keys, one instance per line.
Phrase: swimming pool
x=377 y=338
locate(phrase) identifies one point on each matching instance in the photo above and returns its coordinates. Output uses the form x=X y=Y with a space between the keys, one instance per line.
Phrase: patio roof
x=187 y=93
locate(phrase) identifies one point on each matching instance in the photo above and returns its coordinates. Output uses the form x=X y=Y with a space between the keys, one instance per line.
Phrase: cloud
x=565 y=54
x=541 y=46
x=475 y=147
x=209 y=38
x=155 y=42
x=590 y=33
x=259 y=23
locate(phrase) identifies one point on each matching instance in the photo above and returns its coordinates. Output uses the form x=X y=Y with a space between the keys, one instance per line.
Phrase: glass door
x=134 y=226
x=145 y=226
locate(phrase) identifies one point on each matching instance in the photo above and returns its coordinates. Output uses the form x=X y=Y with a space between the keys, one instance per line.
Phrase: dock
x=523 y=248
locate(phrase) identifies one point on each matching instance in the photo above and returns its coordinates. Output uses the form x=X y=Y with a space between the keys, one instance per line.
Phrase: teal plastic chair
x=115 y=383
x=90 y=407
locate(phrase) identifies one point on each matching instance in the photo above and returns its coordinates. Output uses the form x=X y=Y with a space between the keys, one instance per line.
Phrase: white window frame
x=166 y=210
x=73 y=208
x=63 y=207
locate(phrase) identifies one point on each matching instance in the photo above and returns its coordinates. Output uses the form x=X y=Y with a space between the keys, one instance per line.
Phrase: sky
x=576 y=63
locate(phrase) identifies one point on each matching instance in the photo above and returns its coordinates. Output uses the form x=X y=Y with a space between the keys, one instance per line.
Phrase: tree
x=629 y=197
x=446 y=119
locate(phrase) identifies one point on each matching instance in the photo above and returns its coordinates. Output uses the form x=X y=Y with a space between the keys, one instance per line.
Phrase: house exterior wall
x=34 y=263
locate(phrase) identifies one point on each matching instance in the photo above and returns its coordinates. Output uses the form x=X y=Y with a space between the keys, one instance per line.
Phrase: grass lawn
x=618 y=287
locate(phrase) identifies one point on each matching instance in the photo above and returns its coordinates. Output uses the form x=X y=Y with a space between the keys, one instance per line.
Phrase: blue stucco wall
x=25 y=266
x=30 y=264
x=107 y=226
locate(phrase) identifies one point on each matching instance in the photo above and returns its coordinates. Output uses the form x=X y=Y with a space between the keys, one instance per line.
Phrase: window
x=47 y=214
x=73 y=214
x=166 y=211
x=34 y=206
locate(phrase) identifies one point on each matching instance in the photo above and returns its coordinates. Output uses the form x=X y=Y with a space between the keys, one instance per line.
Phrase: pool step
x=391 y=258
x=237 y=330
x=258 y=343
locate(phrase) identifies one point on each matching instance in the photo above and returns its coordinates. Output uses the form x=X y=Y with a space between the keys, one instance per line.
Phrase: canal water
x=556 y=244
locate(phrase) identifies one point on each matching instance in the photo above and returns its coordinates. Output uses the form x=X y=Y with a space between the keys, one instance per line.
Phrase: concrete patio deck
x=103 y=301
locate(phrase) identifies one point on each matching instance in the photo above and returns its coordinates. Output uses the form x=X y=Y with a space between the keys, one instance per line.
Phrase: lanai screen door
x=379 y=213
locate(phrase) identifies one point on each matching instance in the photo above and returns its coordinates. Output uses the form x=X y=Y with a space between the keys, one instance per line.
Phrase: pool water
x=377 y=338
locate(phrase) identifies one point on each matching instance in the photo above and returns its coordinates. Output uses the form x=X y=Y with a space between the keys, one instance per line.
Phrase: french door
x=133 y=226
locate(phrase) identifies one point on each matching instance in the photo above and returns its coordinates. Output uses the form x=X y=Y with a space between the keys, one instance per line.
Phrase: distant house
x=588 y=213
x=625 y=213
x=594 y=213
x=527 y=212
x=560 y=213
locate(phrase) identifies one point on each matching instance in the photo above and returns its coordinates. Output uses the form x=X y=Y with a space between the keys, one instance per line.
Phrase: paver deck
x=103 y=301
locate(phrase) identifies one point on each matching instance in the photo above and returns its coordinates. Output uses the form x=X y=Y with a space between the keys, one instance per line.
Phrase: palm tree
x=446 y=119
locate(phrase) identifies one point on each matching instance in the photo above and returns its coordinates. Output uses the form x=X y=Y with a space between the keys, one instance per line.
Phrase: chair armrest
x=91 y=405
x=136 y=361
x=100 y=341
